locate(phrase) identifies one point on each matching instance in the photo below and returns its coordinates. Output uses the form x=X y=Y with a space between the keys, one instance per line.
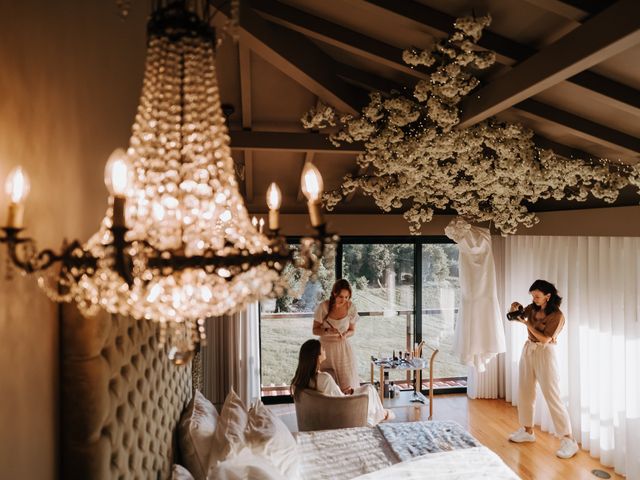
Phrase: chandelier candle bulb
x=312 y=186
x=315 y=213
x=274 y=201
x=117 y=178
x=17 y=188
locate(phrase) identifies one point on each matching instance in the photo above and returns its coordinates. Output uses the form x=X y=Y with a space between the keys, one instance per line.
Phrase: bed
x=122 y=401
x=398 y=450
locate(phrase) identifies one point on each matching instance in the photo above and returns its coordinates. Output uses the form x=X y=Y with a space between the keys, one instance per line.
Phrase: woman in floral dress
x=335 y=321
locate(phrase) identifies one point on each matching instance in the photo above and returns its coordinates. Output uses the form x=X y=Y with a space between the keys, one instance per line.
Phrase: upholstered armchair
x=316 y=411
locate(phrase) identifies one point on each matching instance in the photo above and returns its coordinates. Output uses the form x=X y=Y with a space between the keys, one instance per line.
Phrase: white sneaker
x=389 y=415
x=568 y=448
x=521 y=436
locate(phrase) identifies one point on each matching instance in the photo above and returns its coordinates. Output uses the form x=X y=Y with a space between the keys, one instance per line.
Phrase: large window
x=382 y=280
x=405 y=289
x=440 y=302
x=286 y=322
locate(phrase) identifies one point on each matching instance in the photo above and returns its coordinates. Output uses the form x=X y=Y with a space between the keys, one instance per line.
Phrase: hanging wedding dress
x=479 y=332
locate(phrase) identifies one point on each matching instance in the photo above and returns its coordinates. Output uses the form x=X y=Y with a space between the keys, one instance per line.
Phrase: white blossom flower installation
x=418 y=161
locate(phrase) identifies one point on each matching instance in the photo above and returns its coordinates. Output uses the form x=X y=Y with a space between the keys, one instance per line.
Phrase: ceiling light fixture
x=176 y=245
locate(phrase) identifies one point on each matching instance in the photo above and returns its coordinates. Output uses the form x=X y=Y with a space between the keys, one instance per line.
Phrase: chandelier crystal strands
x=177 y=244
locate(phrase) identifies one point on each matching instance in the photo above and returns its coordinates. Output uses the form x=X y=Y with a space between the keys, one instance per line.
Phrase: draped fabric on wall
x=231 y=357
x=599 y=349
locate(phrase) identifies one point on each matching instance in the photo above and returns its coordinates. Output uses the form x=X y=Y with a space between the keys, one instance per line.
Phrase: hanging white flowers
x=418 y=161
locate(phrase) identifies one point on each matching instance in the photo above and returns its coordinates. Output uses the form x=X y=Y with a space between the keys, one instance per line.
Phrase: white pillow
x=268 y=436
x=178 y=472
x=195 y=434
x=229 y=437
x=244 y=466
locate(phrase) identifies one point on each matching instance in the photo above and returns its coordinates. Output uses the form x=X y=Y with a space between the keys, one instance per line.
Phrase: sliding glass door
x=440 y=302
x=382 y=277
x=286 y=322
x=406 y=289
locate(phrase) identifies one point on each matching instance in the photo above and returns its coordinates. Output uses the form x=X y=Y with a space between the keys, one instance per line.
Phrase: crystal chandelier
x=176 y=245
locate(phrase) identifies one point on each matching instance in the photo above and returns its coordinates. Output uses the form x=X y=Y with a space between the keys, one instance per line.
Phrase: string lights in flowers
x=417 y=160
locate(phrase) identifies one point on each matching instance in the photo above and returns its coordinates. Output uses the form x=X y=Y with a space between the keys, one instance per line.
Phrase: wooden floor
x=491 y=422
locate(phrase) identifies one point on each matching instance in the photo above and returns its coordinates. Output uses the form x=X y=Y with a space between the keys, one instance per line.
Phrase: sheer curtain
x=599 y=349
x=231 y=357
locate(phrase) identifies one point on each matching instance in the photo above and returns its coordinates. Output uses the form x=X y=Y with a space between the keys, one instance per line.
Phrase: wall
x=619 y=221
x=64 y=106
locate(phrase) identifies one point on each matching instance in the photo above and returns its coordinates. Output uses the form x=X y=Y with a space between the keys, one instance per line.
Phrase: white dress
x=340 y=356
x=325 y=384
x=479 y=333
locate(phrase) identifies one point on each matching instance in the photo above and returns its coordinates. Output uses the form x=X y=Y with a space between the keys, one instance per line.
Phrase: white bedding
x=344 y=453
x=374 y=453
x=465 y=464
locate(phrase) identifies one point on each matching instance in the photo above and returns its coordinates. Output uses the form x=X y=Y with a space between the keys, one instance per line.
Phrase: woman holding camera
x=538 y=363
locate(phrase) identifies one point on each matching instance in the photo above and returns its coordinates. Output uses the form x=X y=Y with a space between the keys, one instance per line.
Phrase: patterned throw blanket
x=413 y=439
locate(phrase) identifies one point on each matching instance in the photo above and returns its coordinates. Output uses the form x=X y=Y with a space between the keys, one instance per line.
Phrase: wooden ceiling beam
x=440 y=24
x=562 y=150
x=510 y=52
x=248 y=176
x=616 y=94
x=562 y=9
x=582 y=127
x=289 y=142
x=335 y=35
x=369 y=81
x=245 y=84
x=319 y=143
x=603 y=36
x=576 y=10
x=589 y=6
x=300 y=59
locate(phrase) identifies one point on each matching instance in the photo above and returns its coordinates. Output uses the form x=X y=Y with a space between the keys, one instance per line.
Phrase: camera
x=516 y=313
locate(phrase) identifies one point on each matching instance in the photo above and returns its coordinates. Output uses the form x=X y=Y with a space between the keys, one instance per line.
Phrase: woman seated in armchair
x=307 y=375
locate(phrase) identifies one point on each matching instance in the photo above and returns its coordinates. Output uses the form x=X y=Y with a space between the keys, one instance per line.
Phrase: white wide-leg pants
x=538 y=364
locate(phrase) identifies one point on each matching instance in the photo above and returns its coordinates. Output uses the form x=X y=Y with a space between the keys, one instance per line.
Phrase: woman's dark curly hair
x=548 y=288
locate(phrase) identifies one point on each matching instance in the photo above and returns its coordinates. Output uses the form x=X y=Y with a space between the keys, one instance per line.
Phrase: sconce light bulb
x=274 y=197
x=312 y=184
x=17 y=185
x=118 y=173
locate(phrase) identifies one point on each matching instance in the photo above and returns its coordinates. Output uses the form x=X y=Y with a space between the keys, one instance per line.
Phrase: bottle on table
x=386 y=385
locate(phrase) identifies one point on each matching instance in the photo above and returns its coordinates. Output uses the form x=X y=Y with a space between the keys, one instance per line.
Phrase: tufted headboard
x=121 y=399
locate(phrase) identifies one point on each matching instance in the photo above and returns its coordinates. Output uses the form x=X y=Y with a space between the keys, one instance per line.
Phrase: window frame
x=417 y=241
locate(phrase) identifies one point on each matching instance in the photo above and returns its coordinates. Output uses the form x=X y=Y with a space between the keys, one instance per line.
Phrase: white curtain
x=231 y=357
x=599 y=349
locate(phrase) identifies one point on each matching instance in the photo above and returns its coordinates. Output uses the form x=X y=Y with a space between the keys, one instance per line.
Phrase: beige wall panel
x=64 y=106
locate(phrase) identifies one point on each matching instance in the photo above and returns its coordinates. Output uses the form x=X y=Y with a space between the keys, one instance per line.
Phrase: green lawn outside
x=281 y=340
